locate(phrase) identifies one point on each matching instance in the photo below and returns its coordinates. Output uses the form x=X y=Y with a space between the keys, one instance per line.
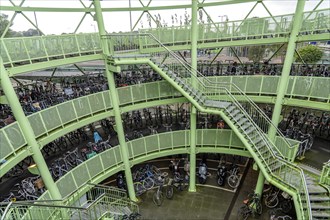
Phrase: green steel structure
x=231 y=97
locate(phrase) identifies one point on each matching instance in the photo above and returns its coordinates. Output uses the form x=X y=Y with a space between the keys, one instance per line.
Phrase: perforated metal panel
x=51 y=118
x=269 y=85
x=94 y=166
x=67 y=112
x=15 y=135
x=66 y=184
x=253 y=84
x=37 y=124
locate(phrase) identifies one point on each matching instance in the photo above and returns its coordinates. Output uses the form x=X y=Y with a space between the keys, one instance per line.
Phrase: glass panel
x=199 y=139
x=69 y=44
x=80 y=174
x=165 y=140
x=35 y=47
x=118 y=154
x=53 y=45
x=107 y=99
x=223 y=137
x=51 y=118
x=36 y=124
x=321 y=88
x=269 y=85
x=151 y=143
x=16 y=49
x=94 y=166
x=96 y=101
x=236 y=142
x=3 y=53
x=253 y=84
x=166 y=89
x=66 y=111
x=82 y=107
x=108 y=158
x=178 y=138
x=130 y=150
x=152 y=91
x=15 y=135
x=66 y=185
x=302 y=86
x=239 y=81
x=138 y=147
x=138 y=92
x=124 y=94
x=209 y=137
x=291 y=80
x=5 y=146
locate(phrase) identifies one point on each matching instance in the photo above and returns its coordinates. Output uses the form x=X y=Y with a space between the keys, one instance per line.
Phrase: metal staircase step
x=230 y=108
x=242 y=121
x=238 y=117
x=235 y=112
x=321 y=214
x=319 y=198
x=320 y=206
x=250 y=130
x=131 y=56
x=216 y=104
x=246 y=125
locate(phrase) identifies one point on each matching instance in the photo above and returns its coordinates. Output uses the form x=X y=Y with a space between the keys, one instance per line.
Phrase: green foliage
x=256 y=53
x=3 y=24
x=310 y=54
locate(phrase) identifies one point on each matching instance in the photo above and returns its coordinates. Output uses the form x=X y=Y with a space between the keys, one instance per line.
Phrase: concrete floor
x=208 y=202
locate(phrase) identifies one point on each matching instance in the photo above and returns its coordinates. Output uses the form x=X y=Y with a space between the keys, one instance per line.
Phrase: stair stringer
x=276 y=181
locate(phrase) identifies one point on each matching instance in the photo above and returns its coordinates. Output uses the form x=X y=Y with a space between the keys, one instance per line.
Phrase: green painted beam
x=179 y=6
x=51 y=64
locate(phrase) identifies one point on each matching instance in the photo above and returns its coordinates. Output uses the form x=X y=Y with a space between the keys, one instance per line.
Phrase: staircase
x=245 y=118
x=318 y=195
x=106 y=201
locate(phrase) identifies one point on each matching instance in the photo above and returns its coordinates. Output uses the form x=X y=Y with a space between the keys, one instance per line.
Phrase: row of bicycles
x=43 y=93
x=279 y=203
x=29 y=188
x=218 y=69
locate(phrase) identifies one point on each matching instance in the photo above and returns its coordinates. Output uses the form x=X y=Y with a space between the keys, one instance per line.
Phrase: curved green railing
x=325 y=176
x=30 y=50
x=274 y=167
x=54 y=122
x=268 y=28
x=107 y=163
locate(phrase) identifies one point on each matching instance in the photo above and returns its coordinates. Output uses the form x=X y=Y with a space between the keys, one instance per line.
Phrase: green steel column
x=28 y=133
x=193 y=121
x=115 y=104
x=284 y=81
x=260 y=184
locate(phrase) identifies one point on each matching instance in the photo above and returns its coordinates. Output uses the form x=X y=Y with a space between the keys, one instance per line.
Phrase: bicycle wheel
x=139 y=188
x=286 y=206
x=258 y=208
x=158 y=198
x=243 y=213
x=233 y=181
x=271 y=201
x=220 y=181
x=148 y=183
x=169 y=192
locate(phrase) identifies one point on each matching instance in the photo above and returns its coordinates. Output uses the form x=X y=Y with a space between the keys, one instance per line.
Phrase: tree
x=309 y=54
x=256 y=53
x=3 y=24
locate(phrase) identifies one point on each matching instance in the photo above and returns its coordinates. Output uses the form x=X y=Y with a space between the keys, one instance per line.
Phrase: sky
x=66 y=22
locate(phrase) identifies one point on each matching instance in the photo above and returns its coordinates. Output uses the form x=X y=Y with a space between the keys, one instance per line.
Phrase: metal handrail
x=265 y=139
x=192 y=70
